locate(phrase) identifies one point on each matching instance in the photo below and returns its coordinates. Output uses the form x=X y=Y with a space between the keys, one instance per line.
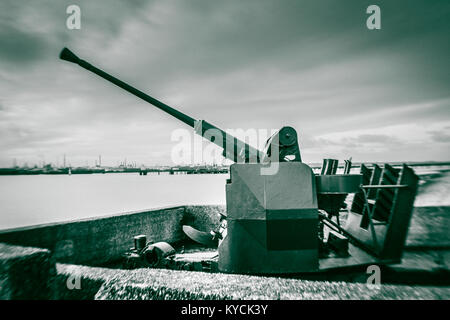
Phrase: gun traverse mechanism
x=272 y=221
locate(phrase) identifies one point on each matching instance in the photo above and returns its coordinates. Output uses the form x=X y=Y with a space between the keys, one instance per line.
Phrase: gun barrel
x=234 y=149
x=68 y=55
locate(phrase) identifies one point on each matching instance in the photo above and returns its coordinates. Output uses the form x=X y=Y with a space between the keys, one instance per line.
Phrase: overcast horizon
x=373 y=95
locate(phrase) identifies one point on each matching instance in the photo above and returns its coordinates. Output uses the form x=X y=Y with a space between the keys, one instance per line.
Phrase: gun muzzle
x=68 y=55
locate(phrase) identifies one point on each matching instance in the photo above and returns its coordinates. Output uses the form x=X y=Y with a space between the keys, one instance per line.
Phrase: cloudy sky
x=375 y=95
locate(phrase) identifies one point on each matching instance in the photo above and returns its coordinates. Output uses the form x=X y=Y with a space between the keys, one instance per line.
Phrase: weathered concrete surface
x=26 y=273
x=431 y=267
x=99 y=240
x=169 y=284
x=430 y=227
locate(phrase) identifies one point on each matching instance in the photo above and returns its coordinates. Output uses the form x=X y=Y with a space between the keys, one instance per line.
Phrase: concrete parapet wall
x=99 y=240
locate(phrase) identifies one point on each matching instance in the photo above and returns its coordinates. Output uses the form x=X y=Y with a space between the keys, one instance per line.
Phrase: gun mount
x=273 y=223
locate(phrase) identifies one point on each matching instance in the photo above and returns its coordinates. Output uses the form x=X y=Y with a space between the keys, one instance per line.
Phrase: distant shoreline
x=203 y=169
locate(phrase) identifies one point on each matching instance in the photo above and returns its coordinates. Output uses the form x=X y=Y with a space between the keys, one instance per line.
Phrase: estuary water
x=30 y=200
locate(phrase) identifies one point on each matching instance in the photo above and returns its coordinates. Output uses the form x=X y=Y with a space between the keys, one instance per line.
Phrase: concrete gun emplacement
x=278 y=209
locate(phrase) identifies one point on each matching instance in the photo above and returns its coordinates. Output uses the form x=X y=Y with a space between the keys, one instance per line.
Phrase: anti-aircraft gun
x=273 y=207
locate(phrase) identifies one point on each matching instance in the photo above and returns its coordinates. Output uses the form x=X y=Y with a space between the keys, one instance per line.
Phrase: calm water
x=29 y=200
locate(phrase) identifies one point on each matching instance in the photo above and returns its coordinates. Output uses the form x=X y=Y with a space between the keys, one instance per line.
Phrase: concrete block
x=26 y=273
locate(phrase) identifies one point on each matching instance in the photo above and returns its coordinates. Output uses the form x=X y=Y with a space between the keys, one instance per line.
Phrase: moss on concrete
x=168 y=284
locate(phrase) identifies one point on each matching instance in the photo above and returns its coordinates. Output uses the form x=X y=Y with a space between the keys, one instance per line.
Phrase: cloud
x=437 y=136
x=385 y=143
x=20 y=47
x=374 y=138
